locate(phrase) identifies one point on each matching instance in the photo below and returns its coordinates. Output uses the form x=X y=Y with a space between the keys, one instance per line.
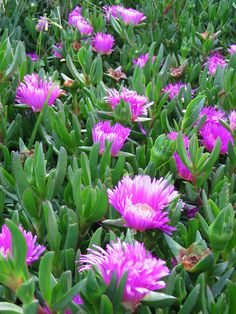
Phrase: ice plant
x=142 y=60
x=232 y=49
x=211 y=131
x=183 y=171
x=232 y=119
x=214 y=61
x=34 y=91
x=212 y=114
x=145 y=272
x=103 y=43
x=34 y=250
x=174 y=89
x=74 y=16
x=56 y=53
x=117 y=134
x=138 y=104
x=33 y=56
x=42 y=24
x=76 y=19
x=128 y=15
x=191 y=211
x=142 y=201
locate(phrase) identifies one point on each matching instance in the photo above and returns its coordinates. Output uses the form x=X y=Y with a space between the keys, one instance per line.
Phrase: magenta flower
x=74 y=16
x=141 y=202
x=142 y=60
x=138 y=103
x=34 y=92
x=174 y=89
x=183 y=171
x=232 y=119
x=214 y=61
x=211 y=131
x=83 y=26
x=33 y=56
x=128 y=15
x=232 y=49
x=77 y=299
x=212 y=114
x=33 y=250
x=42 y=24
x=145 y=272
x=117 y=134
x=103 y=43
x=56 y=53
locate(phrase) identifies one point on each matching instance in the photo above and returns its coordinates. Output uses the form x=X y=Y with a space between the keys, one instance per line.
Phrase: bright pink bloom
x=74 y=16
x=34 y=92
x=138 y=103
x=117 y=134
x=145 y=272
x=232 y=119
x=33 y=250
x=212 y=114
x=56 y=53
x=103 y=43
x=214 y=61
x=173 y=136
x=142 y=201
x=211 y=131
x=142 y=60
x=232 y=49
x=128 y=15
x=174 y=89
x=33 y=56
x=83 y=26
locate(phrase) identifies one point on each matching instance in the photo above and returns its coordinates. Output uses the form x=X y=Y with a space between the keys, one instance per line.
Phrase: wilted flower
x=33 y=56
x=56 y=53
x=174 y=89
x=145 y=272
x=142 y=60
x=142 y=201
x=76 y=45
x=191 y=211
x=103 y=43
x=74 y=16
x=214 y=61
x=42 y=24
x=34 y=92
x=232 y=49
x=117 y=134
x=128 y=15
x=177 y=72
x=33 y=250
x=211 y=131
x=116 y=74
x=138 y=103
x=232 y=119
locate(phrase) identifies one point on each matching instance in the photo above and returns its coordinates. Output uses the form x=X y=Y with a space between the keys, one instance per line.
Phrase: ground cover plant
x=117 y=156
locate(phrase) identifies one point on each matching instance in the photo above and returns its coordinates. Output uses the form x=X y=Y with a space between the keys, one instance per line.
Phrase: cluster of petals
x=34 y=91
x=214 y=61
x=103 y=43
x=142 y=202
x=117 y=134
x=142 y=60
x=212 y=130
x=145 y=272
x=174 y=89
x=128 y=15
x=33 y=56
x=232 y=49
x=76 y=19
x=183 y=171
x=34 y=250
x=138 y=104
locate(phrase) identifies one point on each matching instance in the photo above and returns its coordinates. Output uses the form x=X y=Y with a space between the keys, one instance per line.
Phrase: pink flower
x=232 y=119
x=128 y=15
x=232 y=49
x=142 y=201
x=142 y=60
x=33 y=56
x=55 y=53
x=211 y=131
x=145 y=272
x=42 y=24
x=83 y=26
x=117 y=134
x=33 y=250
x=138 y=103
x=77 y=299
x=174 y=89
x=103 y=43
x=214 y=61
x=212 y=114
x=34 y=92
x=74 y=16
x=173 y=136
